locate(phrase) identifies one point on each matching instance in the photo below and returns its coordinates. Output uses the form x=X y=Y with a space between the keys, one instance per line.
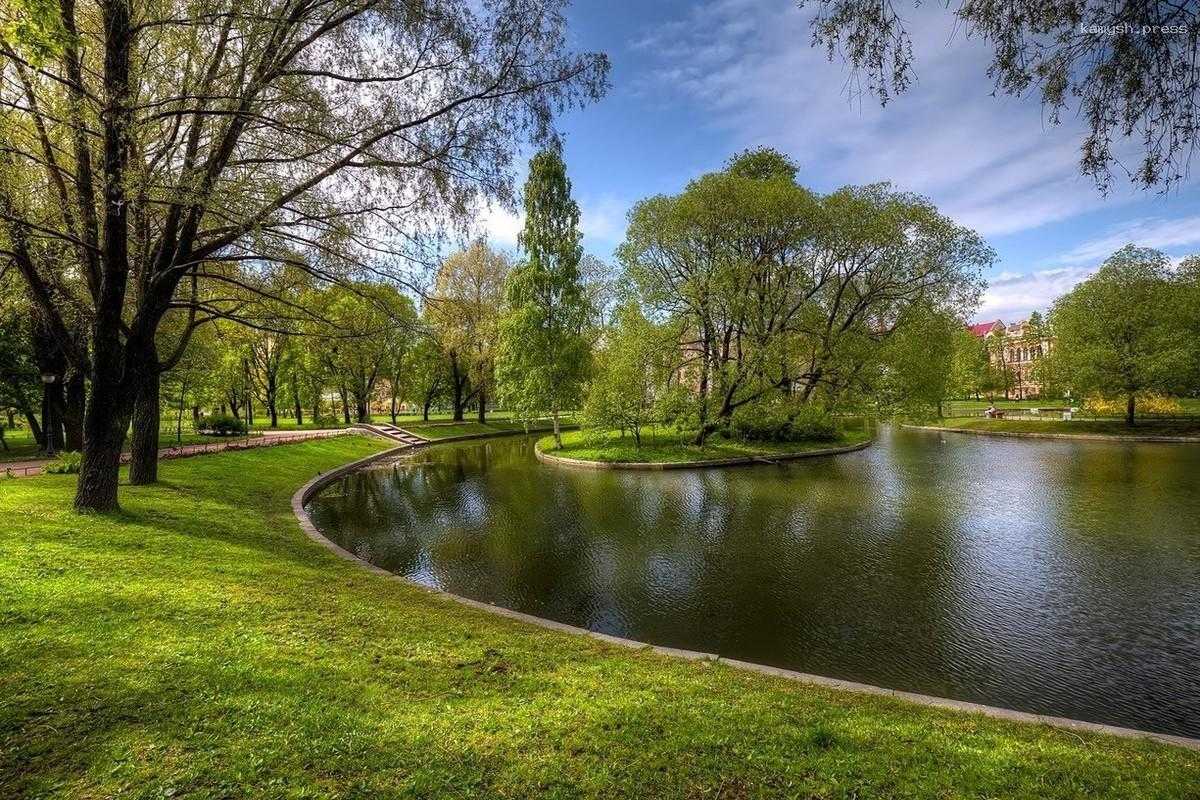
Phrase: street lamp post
x=48 y=423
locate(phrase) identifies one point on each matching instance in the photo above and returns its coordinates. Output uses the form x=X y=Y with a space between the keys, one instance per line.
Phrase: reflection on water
x=1055 y=577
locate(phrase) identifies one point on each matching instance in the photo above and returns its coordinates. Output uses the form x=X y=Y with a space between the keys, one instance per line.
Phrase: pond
x=1053 y=577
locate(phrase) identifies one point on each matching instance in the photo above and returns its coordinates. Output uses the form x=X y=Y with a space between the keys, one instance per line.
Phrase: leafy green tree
x=779 y=291
x=630 y=372
x=427 y=377
x=19 y=377
x=920 y=360
x=544 y=354
x=465 y=312
x=1188 y=283
x=969 y=367
x=1122 y=331
x=366 y=323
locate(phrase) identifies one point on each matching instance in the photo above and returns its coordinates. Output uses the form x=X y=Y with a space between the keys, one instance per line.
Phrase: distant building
x=1014 y=350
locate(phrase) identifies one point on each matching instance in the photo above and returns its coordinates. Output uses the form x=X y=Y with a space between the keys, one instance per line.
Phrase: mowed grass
x=197 y=645
x=1106 y=427
x=1187 y=405
x=672 y=447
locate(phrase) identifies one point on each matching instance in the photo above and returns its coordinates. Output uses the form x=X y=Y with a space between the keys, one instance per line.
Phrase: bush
x=782 y=422
x=222 y=425
x=1147 y=403
x=66 y=463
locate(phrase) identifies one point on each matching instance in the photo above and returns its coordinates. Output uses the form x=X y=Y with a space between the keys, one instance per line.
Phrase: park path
x=392 y=432
x=24 y=469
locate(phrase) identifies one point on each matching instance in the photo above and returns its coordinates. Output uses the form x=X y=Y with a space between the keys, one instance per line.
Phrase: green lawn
x=671 y=447
x=1188 y=405
x=197 y=645
x=1107 y=427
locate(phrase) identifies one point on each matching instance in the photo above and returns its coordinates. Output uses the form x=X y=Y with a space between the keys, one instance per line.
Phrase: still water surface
x=1054 y=577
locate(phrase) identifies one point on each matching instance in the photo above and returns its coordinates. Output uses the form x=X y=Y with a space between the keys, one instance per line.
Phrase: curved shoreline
x=309 y=489
x=736 y=461
x=1092 y=437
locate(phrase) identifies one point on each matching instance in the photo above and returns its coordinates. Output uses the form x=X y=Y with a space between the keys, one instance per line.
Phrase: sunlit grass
x=1107 y=427
x=197 y=645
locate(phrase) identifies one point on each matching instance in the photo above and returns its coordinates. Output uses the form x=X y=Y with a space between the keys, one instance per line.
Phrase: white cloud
x=1012 y=297
x=501 y=226
x=991 y=162
x=1161 y=234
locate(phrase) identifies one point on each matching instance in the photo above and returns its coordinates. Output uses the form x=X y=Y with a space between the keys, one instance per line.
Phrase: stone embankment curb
x=1092 y=437
x=307 y=491
x=739 y=461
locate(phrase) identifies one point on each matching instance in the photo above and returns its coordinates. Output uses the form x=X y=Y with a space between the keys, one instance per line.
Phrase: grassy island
x=196 y=644
x=671 y=447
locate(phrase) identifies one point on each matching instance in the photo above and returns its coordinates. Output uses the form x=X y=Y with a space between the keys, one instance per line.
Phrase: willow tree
x=544 y=352
x=174 y=137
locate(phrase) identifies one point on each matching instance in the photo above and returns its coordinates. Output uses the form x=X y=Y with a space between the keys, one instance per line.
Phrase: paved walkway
x=23 y=469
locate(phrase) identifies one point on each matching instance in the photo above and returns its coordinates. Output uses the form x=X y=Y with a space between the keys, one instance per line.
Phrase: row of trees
x=1129 y=331
x=152 y=155
x=300 y=347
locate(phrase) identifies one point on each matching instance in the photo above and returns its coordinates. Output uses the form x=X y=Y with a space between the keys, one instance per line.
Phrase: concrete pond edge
x=312 y=487
x=1087 y=437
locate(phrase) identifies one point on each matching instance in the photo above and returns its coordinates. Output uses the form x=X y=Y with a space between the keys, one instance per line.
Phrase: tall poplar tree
x=544 y=354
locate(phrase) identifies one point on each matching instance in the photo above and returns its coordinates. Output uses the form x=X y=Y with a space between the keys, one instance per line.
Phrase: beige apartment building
x=1015 y=349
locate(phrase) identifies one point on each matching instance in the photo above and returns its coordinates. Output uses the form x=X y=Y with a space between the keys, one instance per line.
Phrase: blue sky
x=693 y=83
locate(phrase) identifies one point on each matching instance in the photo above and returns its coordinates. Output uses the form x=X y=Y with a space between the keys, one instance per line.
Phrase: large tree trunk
x=115 y=374
x=1130 y=408
x=299 y=409
x=482 y=406
x=147 y=418
x=345 y=405
x=557 y=432
x=104 y=424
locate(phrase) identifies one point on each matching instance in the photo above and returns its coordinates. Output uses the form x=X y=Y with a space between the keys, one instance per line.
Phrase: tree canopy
x=1123 y=331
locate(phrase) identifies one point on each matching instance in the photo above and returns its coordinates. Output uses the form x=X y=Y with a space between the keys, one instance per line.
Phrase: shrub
x=66 y=463
x=1147 y=403
x=222 y=425
x=782 y=422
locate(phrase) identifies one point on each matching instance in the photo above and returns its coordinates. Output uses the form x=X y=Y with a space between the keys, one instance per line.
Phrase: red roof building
x=982 y=329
